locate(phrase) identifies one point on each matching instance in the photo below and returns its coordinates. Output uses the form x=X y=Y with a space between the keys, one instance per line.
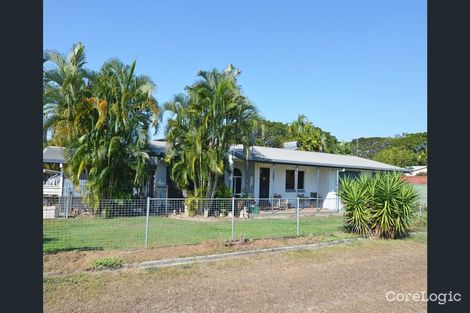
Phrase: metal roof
x=158 y=147
x=298 y=157
x=53 y=154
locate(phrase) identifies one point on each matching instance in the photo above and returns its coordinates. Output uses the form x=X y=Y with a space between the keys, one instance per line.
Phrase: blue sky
x=355 y=68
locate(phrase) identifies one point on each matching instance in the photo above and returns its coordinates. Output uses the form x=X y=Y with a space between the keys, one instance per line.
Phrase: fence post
x=337 y=202
x=147 y=223
x=233 y=218
x=298 y=216
x=66 y=208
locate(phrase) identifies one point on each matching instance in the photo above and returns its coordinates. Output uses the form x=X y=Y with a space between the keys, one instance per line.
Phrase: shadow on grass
x=58 y=250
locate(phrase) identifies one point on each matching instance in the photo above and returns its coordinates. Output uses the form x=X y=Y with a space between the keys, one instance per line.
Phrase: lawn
x=118 y=233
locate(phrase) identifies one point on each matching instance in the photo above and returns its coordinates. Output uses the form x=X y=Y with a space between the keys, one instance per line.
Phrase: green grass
x=111 y=263
x=129 y=232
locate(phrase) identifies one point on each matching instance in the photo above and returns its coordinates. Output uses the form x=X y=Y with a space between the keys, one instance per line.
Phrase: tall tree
x=102 y=119
x=307 y=135
x=204 y=123
x=396 y=156
x=114 y=151
x=66 y=83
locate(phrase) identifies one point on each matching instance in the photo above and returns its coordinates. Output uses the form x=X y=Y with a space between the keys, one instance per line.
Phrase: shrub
x=191 y=205
x=223 y=192
x=105 y=263
x=382 y=205
x=357 y=200
x=394 y=202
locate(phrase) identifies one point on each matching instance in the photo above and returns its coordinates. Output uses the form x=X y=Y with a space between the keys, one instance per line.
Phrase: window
x=300 y=180
x=290 y=180
x=237 y=181
x=349 y=174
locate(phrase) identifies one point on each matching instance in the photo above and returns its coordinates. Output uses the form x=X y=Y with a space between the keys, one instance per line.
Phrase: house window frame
x=296 y=181
x=285 y=181
x=234 y=180
x=303 y=182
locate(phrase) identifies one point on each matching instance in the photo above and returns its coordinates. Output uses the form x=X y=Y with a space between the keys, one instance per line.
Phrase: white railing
x=52 y=190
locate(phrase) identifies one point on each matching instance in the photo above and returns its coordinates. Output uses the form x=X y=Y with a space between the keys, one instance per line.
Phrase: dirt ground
x=345 y=278
x=73 y=261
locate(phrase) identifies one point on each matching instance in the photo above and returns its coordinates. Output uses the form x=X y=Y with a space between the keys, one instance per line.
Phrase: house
x=57 y=184
x=268 y=173
x=289 y=173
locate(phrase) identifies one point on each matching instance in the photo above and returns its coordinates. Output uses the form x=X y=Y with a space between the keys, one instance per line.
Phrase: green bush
x=357 y=201
x=191 y=205
x=107 y=263
x=223 y=192
x=382 y=205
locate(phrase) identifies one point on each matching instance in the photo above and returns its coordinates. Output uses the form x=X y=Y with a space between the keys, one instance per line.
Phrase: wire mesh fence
x=71 y=223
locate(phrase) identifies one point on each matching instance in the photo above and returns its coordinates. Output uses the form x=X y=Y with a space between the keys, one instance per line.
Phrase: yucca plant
x=394 y=202
x=356 y=199
x=382 y=205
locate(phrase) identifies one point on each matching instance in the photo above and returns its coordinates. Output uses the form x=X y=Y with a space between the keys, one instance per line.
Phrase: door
x=264 y=182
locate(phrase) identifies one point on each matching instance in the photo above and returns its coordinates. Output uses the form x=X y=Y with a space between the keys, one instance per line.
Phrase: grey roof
x=158 y=147
x=289 y=156
x=53 y=154
x=265 y=154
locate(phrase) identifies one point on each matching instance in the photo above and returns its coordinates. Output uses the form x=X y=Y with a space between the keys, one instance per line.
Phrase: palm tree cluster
x=205 y=121
x=102 y=119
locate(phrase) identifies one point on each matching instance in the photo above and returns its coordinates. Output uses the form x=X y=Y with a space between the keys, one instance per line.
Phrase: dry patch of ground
x=343 y=278
x=72 y=261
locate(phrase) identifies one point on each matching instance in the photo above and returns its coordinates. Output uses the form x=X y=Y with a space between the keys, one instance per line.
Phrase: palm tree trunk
x=214 y=185
x=247 y=181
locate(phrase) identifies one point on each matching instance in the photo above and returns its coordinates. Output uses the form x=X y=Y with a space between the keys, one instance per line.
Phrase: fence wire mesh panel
x=422 y=210
x=188 y=221
x=265 y=218
x=71 y=223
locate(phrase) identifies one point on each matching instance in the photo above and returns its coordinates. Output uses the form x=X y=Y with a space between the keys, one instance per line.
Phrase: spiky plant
x=382 y=205
x=394 y=202
x=356 y=198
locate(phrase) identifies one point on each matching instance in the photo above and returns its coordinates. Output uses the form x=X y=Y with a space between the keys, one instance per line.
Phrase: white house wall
x=241 y=166
x=160 y=183
x=316 y=179
x=312 y=182
x=160 y=175
x=69 y=189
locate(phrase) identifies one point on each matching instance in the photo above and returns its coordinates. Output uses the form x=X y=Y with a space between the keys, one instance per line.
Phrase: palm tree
x=114 y=151
x=66 y=84
x=214 y=115
x=305 y=133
